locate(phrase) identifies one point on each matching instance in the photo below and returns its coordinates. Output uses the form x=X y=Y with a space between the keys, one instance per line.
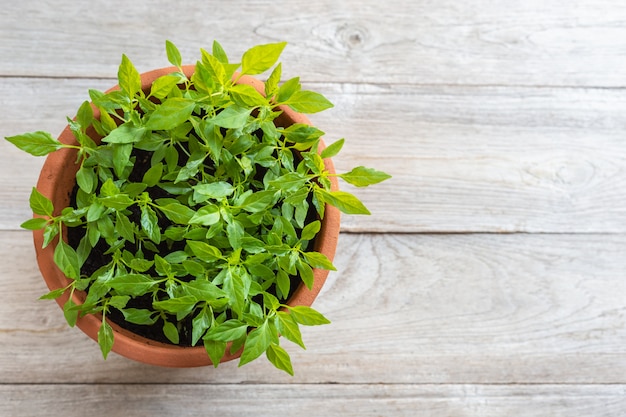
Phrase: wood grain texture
x=493 y=117
x=472 y=159
x=186 y=400
x=535 y=42
x=405 y=309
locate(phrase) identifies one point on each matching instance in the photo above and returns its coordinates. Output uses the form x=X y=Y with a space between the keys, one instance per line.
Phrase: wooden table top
x=489 y=279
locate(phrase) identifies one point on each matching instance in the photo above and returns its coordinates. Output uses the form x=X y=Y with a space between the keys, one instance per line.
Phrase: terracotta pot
x=57 y=180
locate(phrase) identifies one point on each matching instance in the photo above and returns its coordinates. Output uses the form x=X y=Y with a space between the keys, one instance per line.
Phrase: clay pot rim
x=59 y=167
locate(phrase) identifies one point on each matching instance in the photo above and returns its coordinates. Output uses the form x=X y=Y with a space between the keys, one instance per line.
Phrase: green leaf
x=310 y=230
x=215 y=190
x=71 y=315
x=150 y=224
x=34 y=224
x=162 y=266
x=36 y=143
x=257 y=342
x=196 y=233
x=333 y=149
x=215 y=349
x=279 y=358
x=288 y=328
x=301 y=133
x=212 y=137
x=84 y=249
x=105 y=338
x=206 y=216
x=53 y=294
x=308 y=102
x=230 y=330
x=307 y=316
x=95 y=211
x=171 y=332
x=258 y=201
x=270 y=301
x=344 y=201
x=119 y=301
x=128 y=77
x=260 y=58
x=318 y=260
x=126 y=133
x=86 y=179
x=306 y=273
x=218 y=52
x=252 y=244
x=191 y=168
x=66 y=258
x=214 y=67
x=362 y=176
x=178 y=213
x=132 y=284
x=235 y=232
x=315 y=162
x=171 y=113
x=109 y=188
x=140 y=264
x=202 y=79
x=204 y=251
x=118 y=202
x=162 y=86
x=84 y=117
x=283 y=282
x=171 y=157
x=106 y=227
x=175 y=233
x=288 y=230
x=203 y=289
x=271 y=85
x=173 y=55
x=121 y=157
x=153 y=175
x=288 y=89
x=237 y=345
x=176 y=305
x=236 y=290
x=233 y=117
x=193 y=268
x=246 y=95
x=106 y=121
x=289 y=182
x=124 y=227
x=200 y=324
x=139 y=316
x=49 y=232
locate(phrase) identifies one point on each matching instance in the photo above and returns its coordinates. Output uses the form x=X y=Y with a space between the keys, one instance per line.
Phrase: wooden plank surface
x=477 y=42
x=186 y=400
x=489 y=280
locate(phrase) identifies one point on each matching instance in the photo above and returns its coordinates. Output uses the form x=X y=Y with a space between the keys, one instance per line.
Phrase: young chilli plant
x=194 y=213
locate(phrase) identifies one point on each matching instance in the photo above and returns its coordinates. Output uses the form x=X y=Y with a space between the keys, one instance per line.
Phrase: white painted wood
x=492 y=116
x=405 y=309
x=534 y=42
x=185 y=400
x=471 y=159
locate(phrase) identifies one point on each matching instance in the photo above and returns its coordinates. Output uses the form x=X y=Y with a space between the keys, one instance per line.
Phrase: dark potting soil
x=98 y=258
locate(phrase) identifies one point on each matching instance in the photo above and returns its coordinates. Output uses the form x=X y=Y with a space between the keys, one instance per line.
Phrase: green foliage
x=36 y=143
x=215 y=226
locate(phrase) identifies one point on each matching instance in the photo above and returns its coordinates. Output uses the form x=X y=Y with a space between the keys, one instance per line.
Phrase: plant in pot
x=189 y=215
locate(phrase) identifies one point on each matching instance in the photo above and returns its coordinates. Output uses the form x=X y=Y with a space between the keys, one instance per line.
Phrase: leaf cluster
x=198 y=203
